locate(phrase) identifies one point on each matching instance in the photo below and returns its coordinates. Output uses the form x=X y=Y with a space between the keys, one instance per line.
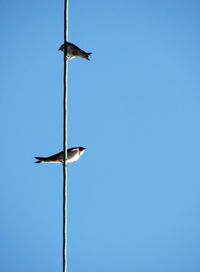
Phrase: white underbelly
x=73 y=158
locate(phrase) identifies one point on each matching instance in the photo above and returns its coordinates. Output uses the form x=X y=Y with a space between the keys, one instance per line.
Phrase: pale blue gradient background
x=134 y=196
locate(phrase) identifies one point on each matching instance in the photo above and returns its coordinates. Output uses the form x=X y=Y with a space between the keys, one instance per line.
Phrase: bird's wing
x=74 y=46
x=53 y=157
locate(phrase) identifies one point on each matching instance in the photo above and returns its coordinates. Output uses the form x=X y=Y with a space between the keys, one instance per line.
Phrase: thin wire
x=65 y=141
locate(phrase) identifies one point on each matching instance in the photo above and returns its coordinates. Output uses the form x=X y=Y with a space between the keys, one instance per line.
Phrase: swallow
x=73 y=155
x=74 y=51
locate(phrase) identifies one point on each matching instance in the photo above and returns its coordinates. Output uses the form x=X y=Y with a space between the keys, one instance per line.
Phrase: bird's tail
x=87 y=55
x=40 y=159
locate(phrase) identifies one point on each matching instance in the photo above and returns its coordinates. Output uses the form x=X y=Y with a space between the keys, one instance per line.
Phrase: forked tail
x=87 y=55
x=40 y=159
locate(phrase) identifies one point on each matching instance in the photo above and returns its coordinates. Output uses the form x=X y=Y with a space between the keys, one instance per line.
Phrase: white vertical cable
x=65 y=141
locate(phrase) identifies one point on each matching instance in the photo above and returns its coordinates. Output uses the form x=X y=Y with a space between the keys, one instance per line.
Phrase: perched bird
x=73 y=154
x=74 y=51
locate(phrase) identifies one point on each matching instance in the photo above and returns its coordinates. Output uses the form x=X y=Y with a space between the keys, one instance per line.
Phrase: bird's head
x=81 y=150
x=61 y=48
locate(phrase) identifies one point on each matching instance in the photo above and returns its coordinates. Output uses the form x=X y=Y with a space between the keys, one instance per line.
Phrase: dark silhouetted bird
x=73 y=154
x=74 y=51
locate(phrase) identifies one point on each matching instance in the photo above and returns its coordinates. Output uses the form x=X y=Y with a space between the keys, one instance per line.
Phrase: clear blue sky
x=134 y=200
